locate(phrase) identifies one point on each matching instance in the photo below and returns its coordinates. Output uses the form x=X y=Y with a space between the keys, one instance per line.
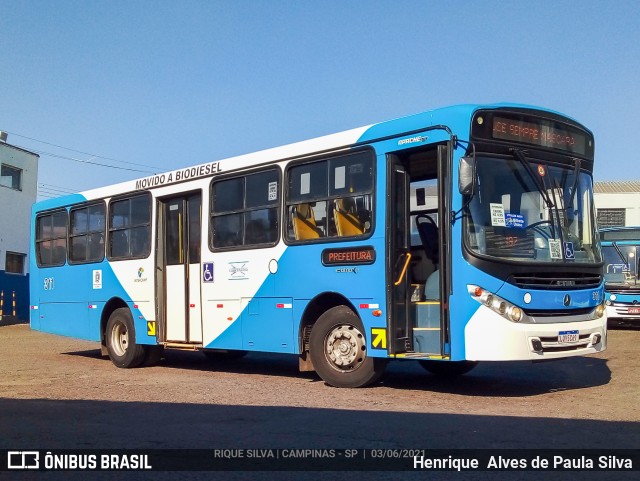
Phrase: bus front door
x=399 y=258
x=180 y=231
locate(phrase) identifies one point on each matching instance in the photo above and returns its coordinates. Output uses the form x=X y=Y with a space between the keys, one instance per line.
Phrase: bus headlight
x=507 y=310
x=499 y=306
x=487 y=299
x=599 y=311
x=613 y=297
x=515 y=314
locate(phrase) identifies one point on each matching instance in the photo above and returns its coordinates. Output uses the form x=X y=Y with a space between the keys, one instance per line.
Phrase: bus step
x=184 y=346
x=426 y=339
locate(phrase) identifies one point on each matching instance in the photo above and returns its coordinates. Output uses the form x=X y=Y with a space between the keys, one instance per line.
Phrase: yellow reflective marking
x=151 y=328
x=378 y=337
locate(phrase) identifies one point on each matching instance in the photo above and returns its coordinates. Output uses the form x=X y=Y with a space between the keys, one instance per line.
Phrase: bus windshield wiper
x=519 y=155
x=576 y=175
x=619 y=252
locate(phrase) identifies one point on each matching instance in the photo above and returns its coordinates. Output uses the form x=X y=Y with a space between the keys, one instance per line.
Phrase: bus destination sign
x=543 y=133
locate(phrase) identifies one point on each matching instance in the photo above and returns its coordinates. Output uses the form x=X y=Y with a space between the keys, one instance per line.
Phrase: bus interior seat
x=428 y=232
x=532 y=207
x=347 y=222
x=304 y=222
x=432 y=287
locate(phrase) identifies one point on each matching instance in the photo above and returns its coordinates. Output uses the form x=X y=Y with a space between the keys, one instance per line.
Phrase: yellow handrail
x=404 y=269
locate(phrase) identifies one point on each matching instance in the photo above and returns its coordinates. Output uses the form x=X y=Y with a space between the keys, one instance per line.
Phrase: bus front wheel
x=338 y=350
x=121 y=340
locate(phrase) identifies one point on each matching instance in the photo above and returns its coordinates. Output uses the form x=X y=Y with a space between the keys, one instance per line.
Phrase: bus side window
x=304 y=222
x=140 y=241
x=346 y=218
x=119 y=244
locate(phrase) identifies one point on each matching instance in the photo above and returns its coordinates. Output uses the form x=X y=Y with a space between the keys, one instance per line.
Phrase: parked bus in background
x=458 y=235
x=620 y=249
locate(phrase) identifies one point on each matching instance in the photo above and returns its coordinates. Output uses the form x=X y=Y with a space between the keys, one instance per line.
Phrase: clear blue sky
x=175 y=83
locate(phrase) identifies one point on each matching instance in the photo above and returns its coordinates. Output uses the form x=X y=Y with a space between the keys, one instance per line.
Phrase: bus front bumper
x=490 y=337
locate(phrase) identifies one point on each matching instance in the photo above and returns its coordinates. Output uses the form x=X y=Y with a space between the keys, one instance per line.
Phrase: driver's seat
x=428 y=232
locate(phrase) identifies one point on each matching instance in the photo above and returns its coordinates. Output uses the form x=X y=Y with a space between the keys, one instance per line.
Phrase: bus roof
x=629 y=233
x=456 y=118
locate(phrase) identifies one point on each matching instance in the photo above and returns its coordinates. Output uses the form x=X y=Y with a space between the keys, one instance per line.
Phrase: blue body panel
x=269 y=319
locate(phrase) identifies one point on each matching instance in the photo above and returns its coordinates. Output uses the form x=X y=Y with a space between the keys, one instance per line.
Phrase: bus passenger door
x=180 y=228
x=399 y=257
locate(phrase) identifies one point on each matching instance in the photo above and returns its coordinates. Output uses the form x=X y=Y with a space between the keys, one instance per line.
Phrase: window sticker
x=555 y=249
x=497 y=215
x=273 y=191
x=515 y=221
x=340 y=177
x=305 y=183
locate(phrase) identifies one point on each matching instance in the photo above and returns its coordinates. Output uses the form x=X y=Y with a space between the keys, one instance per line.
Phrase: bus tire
x=338 y=349
x=121 y=340
x=448 y=368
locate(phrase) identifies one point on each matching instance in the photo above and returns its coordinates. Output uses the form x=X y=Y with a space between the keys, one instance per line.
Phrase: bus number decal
x=48 y=283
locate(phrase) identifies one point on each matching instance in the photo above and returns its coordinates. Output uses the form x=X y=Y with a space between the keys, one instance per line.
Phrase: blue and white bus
x=620 y=250
x=457 y=235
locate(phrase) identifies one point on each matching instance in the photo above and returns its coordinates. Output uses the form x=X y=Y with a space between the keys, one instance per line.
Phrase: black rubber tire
x=120 y=337
x=363 y=370
x=448 y=368
x=223 y=355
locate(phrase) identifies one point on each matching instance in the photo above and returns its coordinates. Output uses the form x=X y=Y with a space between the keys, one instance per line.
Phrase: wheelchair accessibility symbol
x=207 y=272
x=568 y=250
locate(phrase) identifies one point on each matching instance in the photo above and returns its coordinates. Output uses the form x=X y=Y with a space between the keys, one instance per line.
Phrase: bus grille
x=629 y=290
x=550 y=344
x=556 y=280
x=554 y=313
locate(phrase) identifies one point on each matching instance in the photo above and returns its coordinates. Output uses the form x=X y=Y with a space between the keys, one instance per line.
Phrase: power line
x=53 y=192
x=54 y=189
x=84 y=153
x=82 y=161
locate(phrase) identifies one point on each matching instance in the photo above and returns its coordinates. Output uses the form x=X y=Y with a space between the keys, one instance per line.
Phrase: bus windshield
x=621 y=265
x=526 y=210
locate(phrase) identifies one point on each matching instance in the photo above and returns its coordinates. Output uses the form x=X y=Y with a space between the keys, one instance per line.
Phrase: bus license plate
x=634 y=310
x=568 y=336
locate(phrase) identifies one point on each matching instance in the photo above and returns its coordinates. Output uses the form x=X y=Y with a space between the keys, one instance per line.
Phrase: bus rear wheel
x=338 y=350
x=448 y=368
x=121 y=340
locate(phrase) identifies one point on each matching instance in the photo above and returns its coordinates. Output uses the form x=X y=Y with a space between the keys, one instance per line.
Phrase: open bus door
x=419 y=295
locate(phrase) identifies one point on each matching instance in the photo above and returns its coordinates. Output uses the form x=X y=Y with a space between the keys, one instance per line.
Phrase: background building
x=617 y=203
x=18 y=190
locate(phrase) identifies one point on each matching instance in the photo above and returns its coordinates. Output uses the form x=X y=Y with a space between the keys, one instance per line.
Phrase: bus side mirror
x=467 y=176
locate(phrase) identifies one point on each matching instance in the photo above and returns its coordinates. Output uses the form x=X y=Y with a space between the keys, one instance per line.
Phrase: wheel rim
x=345 y=348
x=119 y=339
